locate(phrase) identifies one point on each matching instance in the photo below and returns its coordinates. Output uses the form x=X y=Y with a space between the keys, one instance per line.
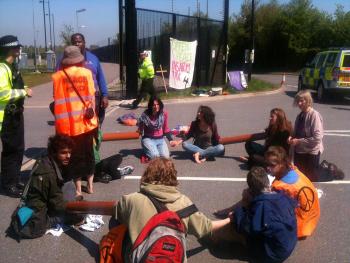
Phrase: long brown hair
x=160 y=171
x=282 y=124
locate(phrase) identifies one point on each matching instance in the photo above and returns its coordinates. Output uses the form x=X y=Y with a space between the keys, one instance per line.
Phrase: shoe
x=104 y=178
x=13 y=191
x=126 y=170
x=21 y=186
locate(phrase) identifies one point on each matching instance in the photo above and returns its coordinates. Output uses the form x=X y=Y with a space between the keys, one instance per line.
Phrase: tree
x=66 y=33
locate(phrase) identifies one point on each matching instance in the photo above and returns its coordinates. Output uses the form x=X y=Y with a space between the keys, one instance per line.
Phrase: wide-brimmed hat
x=9 y=41
x=72 y=55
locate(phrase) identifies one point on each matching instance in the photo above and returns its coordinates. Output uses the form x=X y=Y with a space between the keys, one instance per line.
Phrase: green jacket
x=45 y=192
x=7 y=92
x=146 y=69
x=134 y=210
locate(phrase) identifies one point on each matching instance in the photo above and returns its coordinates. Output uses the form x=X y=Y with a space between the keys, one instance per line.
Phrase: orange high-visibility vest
x=308 y=210
x=69 y=109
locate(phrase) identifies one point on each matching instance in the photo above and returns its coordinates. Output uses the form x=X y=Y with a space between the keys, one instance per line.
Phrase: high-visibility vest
x=69 y=109
x=7 y=93
x=146 y=69
x=308 y=210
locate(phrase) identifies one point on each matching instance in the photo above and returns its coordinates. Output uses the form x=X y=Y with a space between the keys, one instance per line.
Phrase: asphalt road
x=215 y=184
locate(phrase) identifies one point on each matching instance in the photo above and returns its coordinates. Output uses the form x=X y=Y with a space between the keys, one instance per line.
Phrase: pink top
x=150 y=132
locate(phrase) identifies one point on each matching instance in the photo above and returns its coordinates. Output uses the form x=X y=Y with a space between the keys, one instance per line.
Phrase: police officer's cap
x=9 y=41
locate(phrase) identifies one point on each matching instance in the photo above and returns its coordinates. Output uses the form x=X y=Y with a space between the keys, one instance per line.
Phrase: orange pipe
x=116 y=136
x=242 y=138
x=92 y=207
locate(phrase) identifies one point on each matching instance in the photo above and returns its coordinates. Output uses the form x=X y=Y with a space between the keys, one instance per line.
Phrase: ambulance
x=328 y=72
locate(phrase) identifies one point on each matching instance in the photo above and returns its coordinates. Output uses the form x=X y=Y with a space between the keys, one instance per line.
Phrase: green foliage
x=66 y=33
x=286 y=35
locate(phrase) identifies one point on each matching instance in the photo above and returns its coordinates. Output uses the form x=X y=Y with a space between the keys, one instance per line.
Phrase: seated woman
x=205 y=136
x=153 y=126
x=297 y=186
x=276 y=134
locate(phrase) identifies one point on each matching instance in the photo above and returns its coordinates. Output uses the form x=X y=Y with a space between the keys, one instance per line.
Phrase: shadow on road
x=34 y=152
x=86 y=242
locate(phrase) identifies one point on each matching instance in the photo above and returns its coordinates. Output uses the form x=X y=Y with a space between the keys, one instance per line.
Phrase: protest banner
x=182 y=60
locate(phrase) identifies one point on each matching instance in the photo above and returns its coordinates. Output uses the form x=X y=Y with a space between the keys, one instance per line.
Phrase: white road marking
x=292 y=86
x=183 y=178
x=28 y=164
x=222 y=179
x=337 y=134
x=112 y=110
x=340 y=131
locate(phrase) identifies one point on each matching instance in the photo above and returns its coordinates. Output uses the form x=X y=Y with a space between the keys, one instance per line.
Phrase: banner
x=237 y=80
x=182 y=60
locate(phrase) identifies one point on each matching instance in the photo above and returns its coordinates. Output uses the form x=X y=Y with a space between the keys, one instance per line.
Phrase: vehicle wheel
x=321 y=93
x=301 y=86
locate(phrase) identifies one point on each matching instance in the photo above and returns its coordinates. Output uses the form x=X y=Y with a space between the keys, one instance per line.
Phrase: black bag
x=110 y=166
x=329 y=171
x=35 y=227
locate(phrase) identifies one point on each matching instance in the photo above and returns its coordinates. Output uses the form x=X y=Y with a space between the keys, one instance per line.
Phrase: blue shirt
x=93 y=64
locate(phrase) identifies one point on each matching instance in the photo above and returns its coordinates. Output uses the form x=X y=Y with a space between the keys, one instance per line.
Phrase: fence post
x=131 y=48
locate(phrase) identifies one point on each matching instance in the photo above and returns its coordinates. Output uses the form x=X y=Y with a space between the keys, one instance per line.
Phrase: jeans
x=154 y=148
x=211 y=151
x=307 y=164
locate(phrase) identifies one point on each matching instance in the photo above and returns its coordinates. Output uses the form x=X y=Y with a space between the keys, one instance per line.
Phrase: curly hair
x=58 y=142
x=208 y=114
x=160 y=171
x=151 y=101
x=282 y=123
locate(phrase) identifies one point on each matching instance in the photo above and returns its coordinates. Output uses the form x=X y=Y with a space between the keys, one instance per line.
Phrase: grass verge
x=254 y=85
x=32 y=79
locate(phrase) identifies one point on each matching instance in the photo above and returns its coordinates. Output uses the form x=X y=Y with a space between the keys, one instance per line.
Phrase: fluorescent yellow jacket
x=146 y=69
x=7 y=93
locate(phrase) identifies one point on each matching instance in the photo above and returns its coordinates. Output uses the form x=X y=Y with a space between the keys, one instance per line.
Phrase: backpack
x=163 y=238
x=329 y=171
x=112 y=244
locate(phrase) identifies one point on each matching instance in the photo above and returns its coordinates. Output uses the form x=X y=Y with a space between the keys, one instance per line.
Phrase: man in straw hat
x=74 y=97
x=12 y=95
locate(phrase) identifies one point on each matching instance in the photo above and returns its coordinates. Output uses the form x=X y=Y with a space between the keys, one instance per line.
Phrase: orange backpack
x=111 y=245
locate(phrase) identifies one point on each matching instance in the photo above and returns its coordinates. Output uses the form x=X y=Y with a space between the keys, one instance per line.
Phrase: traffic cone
x=283 y=79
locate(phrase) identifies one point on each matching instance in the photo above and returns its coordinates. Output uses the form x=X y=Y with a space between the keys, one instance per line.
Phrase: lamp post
x=35 y=64
x=76 y=12
x=53 y=32
x=49 y=14
x=43 y=1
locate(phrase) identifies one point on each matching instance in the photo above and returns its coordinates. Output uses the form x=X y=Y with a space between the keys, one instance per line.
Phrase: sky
x=99 y=21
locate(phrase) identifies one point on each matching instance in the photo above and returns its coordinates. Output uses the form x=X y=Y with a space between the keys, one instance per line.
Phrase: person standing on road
x=146 y=74
x=93 y=64
x=12 y=95
x=153 y=126
x=205 y=134
x=308 y=135
x=74 y=100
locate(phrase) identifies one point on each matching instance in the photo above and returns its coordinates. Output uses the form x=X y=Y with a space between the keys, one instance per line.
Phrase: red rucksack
x=163 y=238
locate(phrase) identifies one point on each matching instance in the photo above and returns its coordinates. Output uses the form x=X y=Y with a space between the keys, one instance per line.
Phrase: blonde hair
x=303 y=94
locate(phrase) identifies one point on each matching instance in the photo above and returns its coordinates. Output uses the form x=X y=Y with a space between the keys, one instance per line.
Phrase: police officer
x=146 y=74
x=12 y=94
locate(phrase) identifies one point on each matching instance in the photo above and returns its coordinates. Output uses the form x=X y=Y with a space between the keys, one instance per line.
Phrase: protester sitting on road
x=276 y=134
x=49 y=187
x=296 y=185
x=265 y=218
x=159 y=182
x=74 y=97
x=205 y=136
x=153 y=126
x=12 y=95
x=308 y=135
